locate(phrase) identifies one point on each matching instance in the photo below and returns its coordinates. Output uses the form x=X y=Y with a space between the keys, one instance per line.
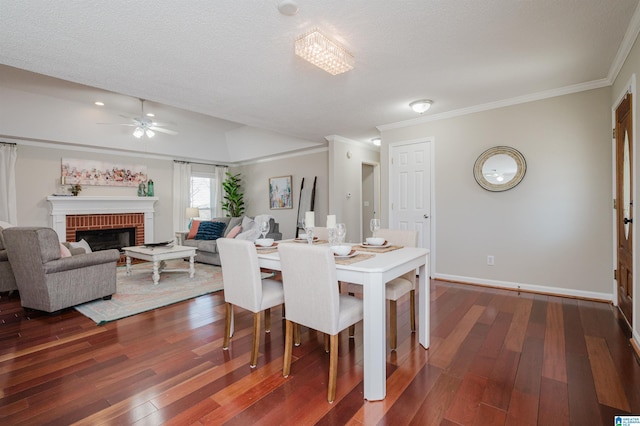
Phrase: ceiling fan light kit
x=323 y=52
x=144 y=126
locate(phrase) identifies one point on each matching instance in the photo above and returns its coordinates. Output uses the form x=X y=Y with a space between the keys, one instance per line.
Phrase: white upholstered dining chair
x=244 y=287
x=313 y=299
x=397 y=287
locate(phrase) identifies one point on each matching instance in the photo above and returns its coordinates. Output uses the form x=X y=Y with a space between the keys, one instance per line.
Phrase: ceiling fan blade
x=163 y=130
x=118 y=124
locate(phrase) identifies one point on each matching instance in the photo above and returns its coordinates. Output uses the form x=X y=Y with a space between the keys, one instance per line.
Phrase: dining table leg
x=375 y=348
x=424 y=304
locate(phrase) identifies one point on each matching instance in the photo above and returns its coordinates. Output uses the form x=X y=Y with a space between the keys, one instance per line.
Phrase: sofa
x=7 y=279
x=207 y=250
x=49 y=282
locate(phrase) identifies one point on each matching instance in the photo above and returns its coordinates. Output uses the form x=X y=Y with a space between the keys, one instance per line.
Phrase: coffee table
x=158 y=255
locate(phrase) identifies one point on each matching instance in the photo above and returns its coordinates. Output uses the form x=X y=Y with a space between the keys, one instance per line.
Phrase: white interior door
x=410 y=189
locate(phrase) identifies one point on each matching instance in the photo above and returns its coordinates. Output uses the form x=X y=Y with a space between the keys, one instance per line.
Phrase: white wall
x=550 y=233
x=255 y=181
x=38 y=176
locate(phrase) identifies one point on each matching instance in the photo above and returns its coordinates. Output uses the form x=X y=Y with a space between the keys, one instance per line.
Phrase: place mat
x=357 y=258
x=267 y=251
x=376 y=250
x=302 y=242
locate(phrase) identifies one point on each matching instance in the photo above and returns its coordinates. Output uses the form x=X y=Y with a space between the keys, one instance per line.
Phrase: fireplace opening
x=105 y=239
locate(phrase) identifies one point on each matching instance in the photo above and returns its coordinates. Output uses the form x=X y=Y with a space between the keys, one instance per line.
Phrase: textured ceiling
x=234 y=60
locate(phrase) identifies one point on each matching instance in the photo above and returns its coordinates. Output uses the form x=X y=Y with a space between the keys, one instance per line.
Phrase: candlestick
x=309 y=220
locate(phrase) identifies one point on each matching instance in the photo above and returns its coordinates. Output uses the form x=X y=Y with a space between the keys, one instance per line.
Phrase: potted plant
x=75 y=189
x=233 y=202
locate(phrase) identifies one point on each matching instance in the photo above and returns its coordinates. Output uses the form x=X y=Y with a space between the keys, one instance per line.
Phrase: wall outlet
x=490 y=261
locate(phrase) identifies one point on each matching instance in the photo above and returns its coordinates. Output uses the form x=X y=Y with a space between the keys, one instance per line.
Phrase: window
x=203 y=193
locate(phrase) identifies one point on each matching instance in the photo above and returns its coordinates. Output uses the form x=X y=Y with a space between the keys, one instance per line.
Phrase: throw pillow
x=64 y=252
x=82 y=244
x=210 y=230
x=233 y=222
x=193 y=230
x=235 y=231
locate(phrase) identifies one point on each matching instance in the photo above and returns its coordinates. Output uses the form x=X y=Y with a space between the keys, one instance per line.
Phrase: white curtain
x=181 y=195
x=8 y=200
x=216 y=209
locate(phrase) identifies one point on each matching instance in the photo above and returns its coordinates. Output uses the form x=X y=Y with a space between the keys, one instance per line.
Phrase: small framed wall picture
x=280 y=193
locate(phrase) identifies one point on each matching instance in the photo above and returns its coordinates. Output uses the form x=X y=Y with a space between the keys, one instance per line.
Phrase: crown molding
x=625 y=47
x=596 y=84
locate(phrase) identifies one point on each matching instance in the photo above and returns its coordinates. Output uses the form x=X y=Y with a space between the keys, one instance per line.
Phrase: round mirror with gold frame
x=499 y=168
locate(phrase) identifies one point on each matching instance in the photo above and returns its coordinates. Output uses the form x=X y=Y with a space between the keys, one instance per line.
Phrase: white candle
x=309 y=220
x=62 y=180
x=331 y=221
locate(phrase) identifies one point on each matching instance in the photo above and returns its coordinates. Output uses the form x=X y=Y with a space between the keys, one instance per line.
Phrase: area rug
x=137 y=293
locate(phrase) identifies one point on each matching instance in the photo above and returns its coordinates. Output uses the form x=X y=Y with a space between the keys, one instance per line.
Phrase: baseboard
x=532 y=288
x=636 y=349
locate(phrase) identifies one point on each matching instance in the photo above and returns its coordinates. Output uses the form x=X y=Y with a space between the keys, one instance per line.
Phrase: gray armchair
x=49 y=282
x=7 y=280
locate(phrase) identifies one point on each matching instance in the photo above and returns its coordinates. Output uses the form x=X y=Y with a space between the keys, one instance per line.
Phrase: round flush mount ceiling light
x=376 y=141
x=99 y=103
x=421 y=106
x=288 y=7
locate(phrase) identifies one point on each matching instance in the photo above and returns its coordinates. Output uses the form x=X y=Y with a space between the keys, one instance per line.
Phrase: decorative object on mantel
x=142 y=190
x=74 y=189
x=150 y=188
x=89 y=172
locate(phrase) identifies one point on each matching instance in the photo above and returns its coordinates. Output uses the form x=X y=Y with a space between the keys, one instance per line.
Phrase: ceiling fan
x=145 y=125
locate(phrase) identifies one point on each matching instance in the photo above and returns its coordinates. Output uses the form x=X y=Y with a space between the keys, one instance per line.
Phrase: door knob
x=426 y=216
x=627 y=220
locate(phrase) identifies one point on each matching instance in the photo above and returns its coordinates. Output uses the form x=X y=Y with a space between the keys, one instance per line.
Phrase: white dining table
x=372 y=274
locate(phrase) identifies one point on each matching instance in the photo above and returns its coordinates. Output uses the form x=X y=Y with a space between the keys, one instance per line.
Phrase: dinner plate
x=274 y=245
x=386 y=244
x=304 y=240
x=351 y=254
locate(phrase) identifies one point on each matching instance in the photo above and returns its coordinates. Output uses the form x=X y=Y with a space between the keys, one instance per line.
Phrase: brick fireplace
x=90 y=222
x=70 y=214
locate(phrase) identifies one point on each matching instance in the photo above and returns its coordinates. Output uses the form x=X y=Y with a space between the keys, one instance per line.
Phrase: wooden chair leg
x=227 y=326
x=333 y=368
x=412 y=309
x=256 y=340
x=393 y=320
x=288 y=347
x=326 y=342
x=267 y=320
x=296 y=334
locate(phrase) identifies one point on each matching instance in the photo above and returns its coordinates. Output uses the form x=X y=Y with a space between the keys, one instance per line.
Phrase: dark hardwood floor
x=496 y=358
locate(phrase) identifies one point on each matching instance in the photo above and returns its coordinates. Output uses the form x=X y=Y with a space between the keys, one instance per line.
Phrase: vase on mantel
x=75 y=189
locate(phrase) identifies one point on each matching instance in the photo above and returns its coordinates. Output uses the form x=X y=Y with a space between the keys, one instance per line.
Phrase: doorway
x=410 y=189
x=624 y=205
x=370 y=197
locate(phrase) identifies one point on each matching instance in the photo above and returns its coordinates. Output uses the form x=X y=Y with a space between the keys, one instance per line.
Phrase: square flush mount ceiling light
x=323 y=52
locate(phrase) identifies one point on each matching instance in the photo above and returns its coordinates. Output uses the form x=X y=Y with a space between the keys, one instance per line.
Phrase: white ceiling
x=234 y=60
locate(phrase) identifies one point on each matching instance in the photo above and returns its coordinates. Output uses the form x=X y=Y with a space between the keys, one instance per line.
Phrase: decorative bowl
x=341 y=250
x=264 y=242
x=375 y=241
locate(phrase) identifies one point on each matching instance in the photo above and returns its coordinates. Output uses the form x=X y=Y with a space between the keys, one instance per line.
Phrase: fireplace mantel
x=61 y=207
